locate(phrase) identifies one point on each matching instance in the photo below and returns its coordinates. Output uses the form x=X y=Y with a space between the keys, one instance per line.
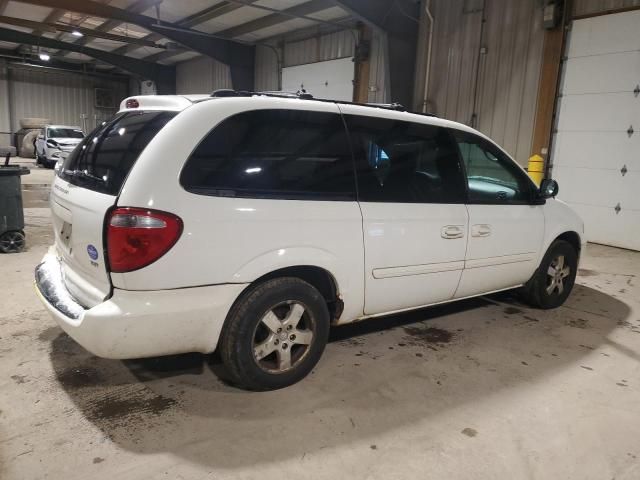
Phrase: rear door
x=505 y=228
x=83 y=191
x=411 y=193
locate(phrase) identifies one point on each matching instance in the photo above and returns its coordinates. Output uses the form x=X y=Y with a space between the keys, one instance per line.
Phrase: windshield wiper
x=83 y=174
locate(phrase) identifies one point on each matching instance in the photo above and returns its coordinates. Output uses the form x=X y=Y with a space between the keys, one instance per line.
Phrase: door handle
x=452 y=231
x=481 y=230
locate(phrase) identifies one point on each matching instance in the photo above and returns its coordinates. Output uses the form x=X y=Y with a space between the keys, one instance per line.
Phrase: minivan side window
x=493 y=178
x=277 y=154
x=405 y=162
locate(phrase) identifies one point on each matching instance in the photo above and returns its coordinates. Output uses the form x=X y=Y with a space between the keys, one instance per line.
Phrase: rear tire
x=275 y=334
x=554 y=279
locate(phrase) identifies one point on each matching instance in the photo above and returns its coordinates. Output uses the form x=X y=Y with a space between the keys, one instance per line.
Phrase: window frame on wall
x=525 y=184
x=337 y=128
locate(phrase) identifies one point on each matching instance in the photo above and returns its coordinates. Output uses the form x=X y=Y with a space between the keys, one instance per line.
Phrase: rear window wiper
x=85 y=174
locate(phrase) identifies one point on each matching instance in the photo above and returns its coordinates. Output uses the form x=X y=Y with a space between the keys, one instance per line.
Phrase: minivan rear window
x=102 y=161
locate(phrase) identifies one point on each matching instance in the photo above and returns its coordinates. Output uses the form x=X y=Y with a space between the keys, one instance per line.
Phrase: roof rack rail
x=390 y=106
x=304 y=95
x=229 y=92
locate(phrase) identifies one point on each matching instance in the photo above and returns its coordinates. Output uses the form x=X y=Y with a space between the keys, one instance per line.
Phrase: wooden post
x=362 y=67
x=552 y=51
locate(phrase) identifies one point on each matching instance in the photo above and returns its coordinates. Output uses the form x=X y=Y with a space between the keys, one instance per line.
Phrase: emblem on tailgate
x=63 y=190
x=93 y=252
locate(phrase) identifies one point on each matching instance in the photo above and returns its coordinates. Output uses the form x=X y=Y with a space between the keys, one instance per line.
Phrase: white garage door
x=332 y=79
x=596 y=154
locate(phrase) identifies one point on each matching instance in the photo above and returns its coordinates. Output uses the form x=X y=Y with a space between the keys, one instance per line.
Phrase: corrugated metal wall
x=60 y=96
x=504 y=87
x=266 y=69
x=4 y=104
x=202 y=75
x=378 y=71
x=320 y=48
x=590 y=7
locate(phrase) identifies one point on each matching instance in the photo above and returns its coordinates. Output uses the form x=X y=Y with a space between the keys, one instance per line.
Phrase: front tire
x=275 y=334
x=554 y=279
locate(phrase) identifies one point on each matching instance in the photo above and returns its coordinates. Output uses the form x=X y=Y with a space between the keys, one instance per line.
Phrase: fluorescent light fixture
x=253 y=170
x=45 y=57
x=77 y=33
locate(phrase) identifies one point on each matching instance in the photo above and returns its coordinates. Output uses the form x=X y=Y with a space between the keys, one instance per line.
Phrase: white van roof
x=160 y=102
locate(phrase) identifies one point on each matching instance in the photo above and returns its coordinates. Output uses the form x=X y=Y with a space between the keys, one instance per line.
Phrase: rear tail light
x=137 y=237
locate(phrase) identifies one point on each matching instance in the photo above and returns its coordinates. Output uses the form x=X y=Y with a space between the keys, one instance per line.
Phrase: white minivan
x=251 y=223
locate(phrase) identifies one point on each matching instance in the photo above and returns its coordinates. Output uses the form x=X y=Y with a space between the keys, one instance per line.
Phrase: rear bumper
x=136 y=324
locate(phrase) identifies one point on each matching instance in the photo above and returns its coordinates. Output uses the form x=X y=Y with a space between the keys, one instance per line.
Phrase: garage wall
x=266 y=69
x=318 y=48
x=501 y=81
x=202 y=75
x=591 y=7
x=60 y=96
x=4 y=103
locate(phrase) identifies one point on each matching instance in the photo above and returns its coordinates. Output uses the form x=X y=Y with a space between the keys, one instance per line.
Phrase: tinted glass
x=274 y=154
x=492 y=176
x=405 y=162
x=64 y=133
x=102 y=161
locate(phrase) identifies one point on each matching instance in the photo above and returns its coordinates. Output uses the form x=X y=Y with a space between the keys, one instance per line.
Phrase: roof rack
x=304 y=95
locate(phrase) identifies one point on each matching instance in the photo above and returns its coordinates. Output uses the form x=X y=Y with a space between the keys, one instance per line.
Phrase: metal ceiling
x=157 y=31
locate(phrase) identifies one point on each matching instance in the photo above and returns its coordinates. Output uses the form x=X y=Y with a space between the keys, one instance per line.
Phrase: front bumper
x=136 y=324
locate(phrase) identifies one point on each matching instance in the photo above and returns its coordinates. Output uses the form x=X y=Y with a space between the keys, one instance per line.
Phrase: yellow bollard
x=536 y=168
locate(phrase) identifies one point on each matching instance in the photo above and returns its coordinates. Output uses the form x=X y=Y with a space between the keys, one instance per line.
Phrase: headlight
x=52 y=143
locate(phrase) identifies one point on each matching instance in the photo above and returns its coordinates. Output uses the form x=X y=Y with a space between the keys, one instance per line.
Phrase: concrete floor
x=486 y=388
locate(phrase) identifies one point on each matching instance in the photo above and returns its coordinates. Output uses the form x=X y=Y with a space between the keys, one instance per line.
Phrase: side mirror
x=548 y=188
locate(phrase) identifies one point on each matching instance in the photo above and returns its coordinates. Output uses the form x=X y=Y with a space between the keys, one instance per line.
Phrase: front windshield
x=64 y=133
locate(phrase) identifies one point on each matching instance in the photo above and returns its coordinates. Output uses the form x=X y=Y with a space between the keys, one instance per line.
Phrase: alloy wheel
x=283 y=336
x=556 y=275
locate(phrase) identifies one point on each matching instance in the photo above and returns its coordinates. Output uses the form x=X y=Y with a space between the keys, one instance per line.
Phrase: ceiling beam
x=59 y=27
x=192 y=20
x=239 y=57
x=136 y=7
x=58 y=64
x=163 y=76
x=55 y=15
x=299 y=11
x=399 y=21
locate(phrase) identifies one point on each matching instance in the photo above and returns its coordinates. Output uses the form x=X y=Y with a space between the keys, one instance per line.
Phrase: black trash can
x=12 y=238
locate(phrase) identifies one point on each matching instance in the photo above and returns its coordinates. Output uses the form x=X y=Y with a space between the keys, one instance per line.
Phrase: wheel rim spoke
x=551 y=287
x=265 y=348
x=284 y=358
x=551 y=271
x=560 y=262
x=271 y=321
x=294 y=315
x=303 y=337
x=565 y=272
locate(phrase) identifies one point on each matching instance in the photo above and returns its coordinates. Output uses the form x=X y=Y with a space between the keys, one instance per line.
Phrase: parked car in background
x=55 y=143
x=251 y=224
